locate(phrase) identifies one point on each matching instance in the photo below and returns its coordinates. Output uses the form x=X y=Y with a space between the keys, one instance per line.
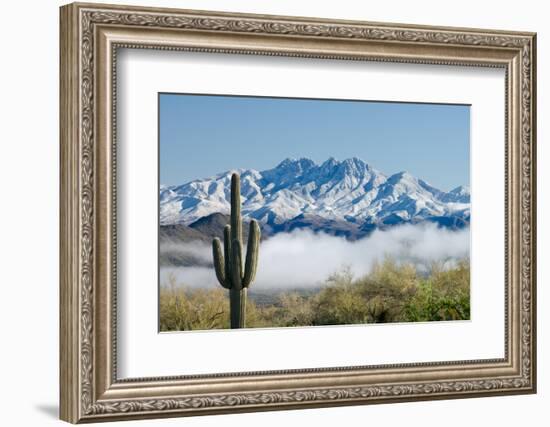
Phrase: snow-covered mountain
x=298 y=190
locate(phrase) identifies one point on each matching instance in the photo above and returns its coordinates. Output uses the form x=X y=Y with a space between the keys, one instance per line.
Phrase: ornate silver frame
x=90 y=36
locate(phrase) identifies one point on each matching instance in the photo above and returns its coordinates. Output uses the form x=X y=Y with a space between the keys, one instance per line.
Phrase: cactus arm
x=252 y=250
x=236 y=223
x=227 y=251
x=219 y=263
x=229 y=264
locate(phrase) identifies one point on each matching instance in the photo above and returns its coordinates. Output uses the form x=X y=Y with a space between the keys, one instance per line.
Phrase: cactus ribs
x=229 y=264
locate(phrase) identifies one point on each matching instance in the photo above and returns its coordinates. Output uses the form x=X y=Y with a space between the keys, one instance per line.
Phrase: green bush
x=391 y=292
x=443 y=295
x=183 y=309
x=340 y=301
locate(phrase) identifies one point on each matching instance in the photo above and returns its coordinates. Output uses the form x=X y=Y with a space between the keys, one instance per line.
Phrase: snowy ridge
x=348 y=190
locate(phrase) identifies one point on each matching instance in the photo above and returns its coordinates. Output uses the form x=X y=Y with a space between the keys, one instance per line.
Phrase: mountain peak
x=355 y=164
x=335 y=190
x=286 y=162
x=331 y=161
x=289 y=168
x=401 y=176
x=302 y=162
x=461 y=189
x=354 y=160
x=460 y=194
x=288 y=171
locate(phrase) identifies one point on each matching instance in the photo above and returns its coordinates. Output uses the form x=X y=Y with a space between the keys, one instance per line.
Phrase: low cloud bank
x=305 y=259
x=199 y=252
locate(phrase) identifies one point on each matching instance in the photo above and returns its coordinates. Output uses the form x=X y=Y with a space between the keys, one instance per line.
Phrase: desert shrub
x=183 y=309
x=260 y=317
x=386 y=289
x=443 y=295
x=340 y=301
x=391 y=292
x=394 y=292
x=293 y=309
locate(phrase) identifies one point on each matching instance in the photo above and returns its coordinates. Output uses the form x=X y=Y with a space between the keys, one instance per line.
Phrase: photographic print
x=269 y=183
x=290 y=212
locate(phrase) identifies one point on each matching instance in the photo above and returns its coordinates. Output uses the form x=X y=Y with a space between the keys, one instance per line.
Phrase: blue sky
x=202 y=135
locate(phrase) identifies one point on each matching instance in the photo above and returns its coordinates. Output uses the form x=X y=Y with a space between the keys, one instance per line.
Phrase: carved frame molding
x=90 y=36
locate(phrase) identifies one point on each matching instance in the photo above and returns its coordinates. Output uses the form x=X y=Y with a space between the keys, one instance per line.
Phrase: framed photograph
x=266 y=212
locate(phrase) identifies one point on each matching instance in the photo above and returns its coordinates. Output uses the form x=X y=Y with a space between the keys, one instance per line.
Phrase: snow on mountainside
x=348 y=191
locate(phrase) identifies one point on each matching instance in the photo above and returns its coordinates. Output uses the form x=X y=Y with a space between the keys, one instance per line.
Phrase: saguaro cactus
x=229 y=264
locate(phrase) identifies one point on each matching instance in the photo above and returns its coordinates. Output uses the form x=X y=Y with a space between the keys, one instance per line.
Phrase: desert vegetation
x=391 y=292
